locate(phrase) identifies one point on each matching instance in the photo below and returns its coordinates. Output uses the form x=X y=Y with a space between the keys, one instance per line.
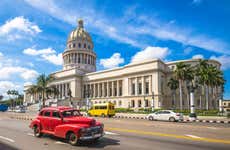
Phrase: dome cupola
x=79 y=50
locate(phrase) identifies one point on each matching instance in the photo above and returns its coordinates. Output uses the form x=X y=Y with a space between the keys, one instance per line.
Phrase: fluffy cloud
x=47 y=54
x=34 y=52
x=17 y=28
x=150 y=53
x=25 y=73
x=224 y=60
x=6 y=85
x=198 y=56
x=114 y=61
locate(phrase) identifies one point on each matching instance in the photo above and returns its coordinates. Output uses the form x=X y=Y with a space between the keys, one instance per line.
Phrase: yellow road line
x=169 y=135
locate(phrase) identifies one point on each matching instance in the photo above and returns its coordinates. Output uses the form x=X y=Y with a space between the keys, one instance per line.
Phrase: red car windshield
x=71 y=113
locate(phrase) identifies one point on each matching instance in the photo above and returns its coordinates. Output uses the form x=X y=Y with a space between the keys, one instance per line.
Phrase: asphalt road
x=123 y=134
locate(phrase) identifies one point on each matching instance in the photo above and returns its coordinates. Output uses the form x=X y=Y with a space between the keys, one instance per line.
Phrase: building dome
x=79 y=33
x=79 y=50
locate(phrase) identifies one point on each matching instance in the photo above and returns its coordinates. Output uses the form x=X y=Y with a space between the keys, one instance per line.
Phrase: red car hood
x=80 y=120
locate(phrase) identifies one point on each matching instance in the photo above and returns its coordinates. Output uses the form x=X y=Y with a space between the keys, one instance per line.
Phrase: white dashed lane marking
x=193 y=136
x=7 y=139
x=110 y=133
x=212 y=128
x=61 y=143
x=30 y=134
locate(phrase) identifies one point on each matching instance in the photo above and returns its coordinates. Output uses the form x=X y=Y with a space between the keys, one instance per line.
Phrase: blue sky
x=33 y=34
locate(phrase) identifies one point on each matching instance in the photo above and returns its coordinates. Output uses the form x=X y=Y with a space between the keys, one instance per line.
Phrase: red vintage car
x=68 y=123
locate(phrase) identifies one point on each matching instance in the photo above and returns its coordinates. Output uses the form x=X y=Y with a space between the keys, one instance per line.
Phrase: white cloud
x=25 y=73
x=198 y=56
x=34 y=52
x=53 y=58
x=114 y=61
x=188 y=50
x=17 y=28
x=224 y=60
x=11 y=69
x=47 y=54
x=150 y=53
x=7 y=85
x=1 y=55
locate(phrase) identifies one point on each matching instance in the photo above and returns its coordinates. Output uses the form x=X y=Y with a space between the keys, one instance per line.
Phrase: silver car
x=166 y=115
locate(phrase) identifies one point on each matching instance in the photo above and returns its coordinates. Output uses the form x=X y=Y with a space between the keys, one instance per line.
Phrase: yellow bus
x=103 y=110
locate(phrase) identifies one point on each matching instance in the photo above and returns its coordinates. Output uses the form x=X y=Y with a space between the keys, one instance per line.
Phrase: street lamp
x=191 y=87
x=69 y=93
x=152 y=101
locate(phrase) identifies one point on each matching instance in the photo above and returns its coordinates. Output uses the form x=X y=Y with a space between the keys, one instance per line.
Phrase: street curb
x=186 y=120
x=29 y=118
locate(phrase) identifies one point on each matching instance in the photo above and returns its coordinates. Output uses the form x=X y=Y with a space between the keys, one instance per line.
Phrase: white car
x=166 y=115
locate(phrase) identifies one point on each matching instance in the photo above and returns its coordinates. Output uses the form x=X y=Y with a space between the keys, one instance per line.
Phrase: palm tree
x=181 y=74
x=173 y=85
x=209 y=77
x=43 y=87
x=9 y=93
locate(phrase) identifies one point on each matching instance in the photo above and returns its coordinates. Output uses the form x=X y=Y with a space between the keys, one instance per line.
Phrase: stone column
x=103 y=89
x=94 y=90
x=150 y=85
x=98 y=90
x=143 y=85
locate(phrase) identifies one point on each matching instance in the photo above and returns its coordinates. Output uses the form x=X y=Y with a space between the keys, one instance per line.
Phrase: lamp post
x=192 y=86
x=152 y=101
x=69 y=93
x=40 y=98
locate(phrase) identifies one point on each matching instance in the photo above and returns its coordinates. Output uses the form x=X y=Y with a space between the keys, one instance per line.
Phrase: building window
x=110 y=91
x=146 y=103
x=120 y=91
x=120 y=103
x=133 y=89
x=114 y=102
x=79 y=59
x=139 y=88
x=147 y=88
x=73 y=45
x=132 y=103
x=69 y=45
x=84 y=45
x=115 y=91
x=88 y=46
x=139 y=103
x=79 y=45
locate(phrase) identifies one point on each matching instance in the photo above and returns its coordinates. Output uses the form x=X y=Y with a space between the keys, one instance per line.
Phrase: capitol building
x=136 y=85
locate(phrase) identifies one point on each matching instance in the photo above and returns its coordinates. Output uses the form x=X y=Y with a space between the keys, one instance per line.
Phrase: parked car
x=67 y=123
x=20 y=110
x=3 y=107
x=166 y=115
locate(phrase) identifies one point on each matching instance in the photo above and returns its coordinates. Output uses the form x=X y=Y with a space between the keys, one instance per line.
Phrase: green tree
x=42 y=87
x=173 y=84
x=209 y=76
x=182 y=73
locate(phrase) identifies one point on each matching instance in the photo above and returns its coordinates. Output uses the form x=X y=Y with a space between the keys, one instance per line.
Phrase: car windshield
x=71 y=113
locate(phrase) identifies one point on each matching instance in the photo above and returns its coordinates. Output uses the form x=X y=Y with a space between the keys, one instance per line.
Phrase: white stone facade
x=136 y=85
